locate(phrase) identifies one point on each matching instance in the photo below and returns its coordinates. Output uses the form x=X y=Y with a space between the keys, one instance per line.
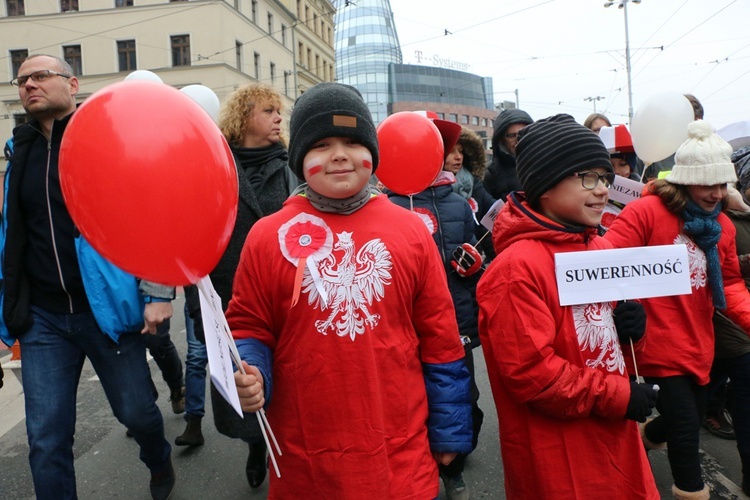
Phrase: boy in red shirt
x=565 y=406
x=338 y=310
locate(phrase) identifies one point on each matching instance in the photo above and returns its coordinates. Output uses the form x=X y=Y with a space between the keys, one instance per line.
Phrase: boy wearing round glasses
x=566 y=407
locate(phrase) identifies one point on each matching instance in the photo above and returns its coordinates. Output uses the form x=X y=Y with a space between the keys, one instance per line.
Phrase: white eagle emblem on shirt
x=596 y=331
x=352 y=284
x=697 y=260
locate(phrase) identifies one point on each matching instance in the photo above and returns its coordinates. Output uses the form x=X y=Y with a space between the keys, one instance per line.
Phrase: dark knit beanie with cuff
x=329 y=110
x=551 y=149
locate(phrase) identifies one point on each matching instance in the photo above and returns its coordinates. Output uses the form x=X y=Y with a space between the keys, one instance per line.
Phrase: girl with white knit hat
x=677 y=350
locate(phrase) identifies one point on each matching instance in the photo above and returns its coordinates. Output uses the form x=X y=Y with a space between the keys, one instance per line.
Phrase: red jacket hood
x=518 y=221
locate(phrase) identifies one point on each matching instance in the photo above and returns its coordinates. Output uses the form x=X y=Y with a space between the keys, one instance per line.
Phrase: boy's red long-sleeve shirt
x=348 y=404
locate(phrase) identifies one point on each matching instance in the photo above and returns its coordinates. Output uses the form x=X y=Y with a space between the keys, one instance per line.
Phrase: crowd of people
x=334 y=287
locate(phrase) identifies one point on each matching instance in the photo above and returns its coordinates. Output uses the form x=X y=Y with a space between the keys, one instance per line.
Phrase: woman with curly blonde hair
x=238 y=117
x=251 y=122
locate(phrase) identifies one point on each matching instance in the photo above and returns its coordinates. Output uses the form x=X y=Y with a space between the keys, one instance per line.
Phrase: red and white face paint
x=337 y=167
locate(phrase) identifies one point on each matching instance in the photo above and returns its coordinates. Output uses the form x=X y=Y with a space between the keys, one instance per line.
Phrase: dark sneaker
x=162 y=482
x=720 y=426
x=177 y=398
x=455 y=488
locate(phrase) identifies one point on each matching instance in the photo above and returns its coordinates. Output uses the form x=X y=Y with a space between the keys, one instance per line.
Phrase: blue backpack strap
x=4 y=334
x=8 y=150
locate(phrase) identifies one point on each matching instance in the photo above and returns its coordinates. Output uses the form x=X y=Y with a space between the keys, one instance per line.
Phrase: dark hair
x=697 y=106
x=674 y=196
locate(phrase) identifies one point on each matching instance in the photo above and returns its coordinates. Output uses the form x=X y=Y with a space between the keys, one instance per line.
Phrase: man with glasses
x=501 y=177
x=52 y=301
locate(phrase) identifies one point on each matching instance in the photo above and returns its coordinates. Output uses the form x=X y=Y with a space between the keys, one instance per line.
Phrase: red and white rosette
x=304 y=241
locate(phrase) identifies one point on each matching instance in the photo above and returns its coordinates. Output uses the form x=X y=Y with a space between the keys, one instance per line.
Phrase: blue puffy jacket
x=449 y=218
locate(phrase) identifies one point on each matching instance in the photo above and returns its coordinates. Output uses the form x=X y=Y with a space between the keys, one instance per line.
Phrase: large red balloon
x=411 y=152
x=150 y=181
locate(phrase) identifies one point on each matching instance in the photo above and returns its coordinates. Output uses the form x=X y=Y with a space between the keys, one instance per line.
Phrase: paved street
x=107 y=464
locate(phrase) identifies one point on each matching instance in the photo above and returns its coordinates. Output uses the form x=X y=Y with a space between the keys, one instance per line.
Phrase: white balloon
x=144 y=74
x=659 y=126
x=206 y=98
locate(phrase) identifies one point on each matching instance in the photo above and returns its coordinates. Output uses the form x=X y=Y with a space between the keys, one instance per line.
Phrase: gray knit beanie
x=554 y=148
x=329 y=110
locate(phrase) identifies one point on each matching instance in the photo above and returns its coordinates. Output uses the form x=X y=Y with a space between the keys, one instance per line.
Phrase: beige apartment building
x=221 y=44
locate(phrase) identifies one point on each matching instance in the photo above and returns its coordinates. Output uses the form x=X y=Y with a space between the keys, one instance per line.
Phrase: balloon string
x=298 y=280
x=635 y=365
x=411 y=202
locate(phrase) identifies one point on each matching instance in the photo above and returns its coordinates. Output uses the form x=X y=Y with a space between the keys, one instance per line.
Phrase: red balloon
x=150 y=181
x=411 y=152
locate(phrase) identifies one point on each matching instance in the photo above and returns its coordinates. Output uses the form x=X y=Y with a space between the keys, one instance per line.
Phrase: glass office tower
x=366 y=43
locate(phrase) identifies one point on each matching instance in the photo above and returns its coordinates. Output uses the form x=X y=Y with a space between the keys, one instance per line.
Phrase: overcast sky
x=558 y=53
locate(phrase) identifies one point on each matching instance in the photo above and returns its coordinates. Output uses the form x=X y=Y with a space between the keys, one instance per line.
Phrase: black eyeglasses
x=37 y=76
x=512 y=136
x=589 y=180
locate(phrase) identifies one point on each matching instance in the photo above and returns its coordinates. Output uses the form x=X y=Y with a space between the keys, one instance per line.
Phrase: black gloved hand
x=642 y=400
x=630 y=321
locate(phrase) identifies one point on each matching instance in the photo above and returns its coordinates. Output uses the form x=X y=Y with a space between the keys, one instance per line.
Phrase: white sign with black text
x=620 y=274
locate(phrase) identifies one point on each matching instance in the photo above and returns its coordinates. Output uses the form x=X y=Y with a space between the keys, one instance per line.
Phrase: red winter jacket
x=679 y=336
x=557 y=373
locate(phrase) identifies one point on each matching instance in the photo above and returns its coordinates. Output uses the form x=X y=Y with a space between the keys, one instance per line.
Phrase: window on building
x=441 y=116
x=287 y=74
x=307 y=16
x=15 y=8
x=309 y=59
x=123 y=3
x=72 y=56
x=126 y=55
x=20 y=119
x=270 y=23
x=299 y=7
x=315 y=23
x=238 y=54
x=180 y=50
x=317 y=65
x=329 y=35
x=475 y=120
x=465 y=119
x=68 y=5
x=256 y=64
x=323 y=30
x=283 y=35
x=453 y=117
x=301 y=53
x=484 y=122
x=254 y=11
x=17 y=57
x=273 y=73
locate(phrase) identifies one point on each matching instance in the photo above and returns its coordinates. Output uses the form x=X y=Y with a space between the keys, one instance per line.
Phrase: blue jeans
x=195 y=372
x=54 y=350
x=165 y=355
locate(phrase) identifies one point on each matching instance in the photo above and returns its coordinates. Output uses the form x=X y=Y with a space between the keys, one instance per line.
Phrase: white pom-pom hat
x=704 y=159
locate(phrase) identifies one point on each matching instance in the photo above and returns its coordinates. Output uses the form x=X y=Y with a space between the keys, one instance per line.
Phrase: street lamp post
x=624 y=6
x=594 y=99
